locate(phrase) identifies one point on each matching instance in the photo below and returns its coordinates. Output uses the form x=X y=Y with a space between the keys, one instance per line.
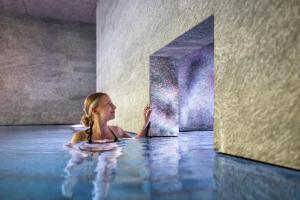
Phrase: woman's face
x=106 y=108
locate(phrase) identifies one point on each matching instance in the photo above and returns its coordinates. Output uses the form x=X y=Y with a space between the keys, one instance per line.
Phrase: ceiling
x=70 y=10
x=193 y=40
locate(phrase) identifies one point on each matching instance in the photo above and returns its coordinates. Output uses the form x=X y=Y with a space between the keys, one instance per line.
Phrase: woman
x=99 y=109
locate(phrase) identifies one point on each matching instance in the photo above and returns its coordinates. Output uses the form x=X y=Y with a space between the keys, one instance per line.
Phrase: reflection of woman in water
x=99 y=109
x=105 y=163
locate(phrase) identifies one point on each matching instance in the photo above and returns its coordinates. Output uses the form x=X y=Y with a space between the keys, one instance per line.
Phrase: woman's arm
x=147 y=114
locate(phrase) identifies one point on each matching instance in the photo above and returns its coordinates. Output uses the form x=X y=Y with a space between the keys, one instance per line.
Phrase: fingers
x=147 y=112
x=147 y=107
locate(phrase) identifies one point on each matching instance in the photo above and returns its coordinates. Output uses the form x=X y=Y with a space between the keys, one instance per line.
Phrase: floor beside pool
x=35 y=164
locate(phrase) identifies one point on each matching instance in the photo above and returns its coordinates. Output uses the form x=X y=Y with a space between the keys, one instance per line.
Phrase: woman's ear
x=95 y=112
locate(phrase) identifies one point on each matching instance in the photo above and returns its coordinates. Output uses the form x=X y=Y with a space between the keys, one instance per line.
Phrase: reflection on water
x=164 y=165
x=184 y=167
x=106 y=163
x=71 y=170
x=100 y=174
x=243 y=179
x=35 y=166
x=180 y=167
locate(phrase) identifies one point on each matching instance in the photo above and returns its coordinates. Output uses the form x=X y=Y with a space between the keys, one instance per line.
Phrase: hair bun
x=86 y=120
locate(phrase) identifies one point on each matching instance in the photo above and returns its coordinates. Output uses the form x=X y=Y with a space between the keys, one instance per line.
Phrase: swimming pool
x=34 y=164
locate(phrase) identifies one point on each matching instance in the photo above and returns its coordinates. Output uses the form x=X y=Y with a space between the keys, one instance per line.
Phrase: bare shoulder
x=121 y=133
x=78 y=137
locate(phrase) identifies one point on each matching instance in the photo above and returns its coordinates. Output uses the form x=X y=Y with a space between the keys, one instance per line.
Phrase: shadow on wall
x=182 y=83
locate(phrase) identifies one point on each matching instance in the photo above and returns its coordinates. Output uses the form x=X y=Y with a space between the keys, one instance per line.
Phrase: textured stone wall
x=257 y=80
x=257 y=76
x=47 y=67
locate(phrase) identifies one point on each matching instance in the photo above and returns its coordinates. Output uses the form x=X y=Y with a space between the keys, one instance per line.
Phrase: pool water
x=35 y=164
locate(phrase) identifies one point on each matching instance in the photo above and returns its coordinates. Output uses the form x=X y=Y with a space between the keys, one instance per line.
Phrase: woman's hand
x=147 y=114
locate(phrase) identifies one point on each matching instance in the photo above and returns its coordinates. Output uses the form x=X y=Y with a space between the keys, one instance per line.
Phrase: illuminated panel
x=182 y=83
x=196 y=89
x=163 y=96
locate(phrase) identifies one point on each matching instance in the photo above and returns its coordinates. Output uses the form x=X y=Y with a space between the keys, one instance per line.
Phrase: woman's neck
x=99 y=128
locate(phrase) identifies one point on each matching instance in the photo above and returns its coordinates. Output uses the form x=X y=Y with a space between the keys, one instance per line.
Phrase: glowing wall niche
x=182 y=83
x=196 y=90
x=164 y=96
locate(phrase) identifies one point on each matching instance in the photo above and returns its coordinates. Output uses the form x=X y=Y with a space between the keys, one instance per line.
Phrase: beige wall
x=257 y=81
x=257 y=76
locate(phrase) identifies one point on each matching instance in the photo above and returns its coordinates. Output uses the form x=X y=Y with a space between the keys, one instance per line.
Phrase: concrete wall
x=257 y=76
x=47 y=67
x=257 y=81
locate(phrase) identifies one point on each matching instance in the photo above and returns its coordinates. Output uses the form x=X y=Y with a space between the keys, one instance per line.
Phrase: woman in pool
x=99 y=109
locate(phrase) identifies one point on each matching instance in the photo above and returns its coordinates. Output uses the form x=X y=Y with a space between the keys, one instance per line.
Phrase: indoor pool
x=35 y=164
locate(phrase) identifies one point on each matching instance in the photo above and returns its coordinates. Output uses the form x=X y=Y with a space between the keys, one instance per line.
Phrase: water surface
x=34 y=164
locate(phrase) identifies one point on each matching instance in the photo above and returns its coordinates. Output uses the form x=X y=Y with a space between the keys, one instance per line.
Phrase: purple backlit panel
x=182 y=83
x=196 y=90
x=164 y=97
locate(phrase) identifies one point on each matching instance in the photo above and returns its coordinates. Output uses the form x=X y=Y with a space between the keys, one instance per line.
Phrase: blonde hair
x=90 y=102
